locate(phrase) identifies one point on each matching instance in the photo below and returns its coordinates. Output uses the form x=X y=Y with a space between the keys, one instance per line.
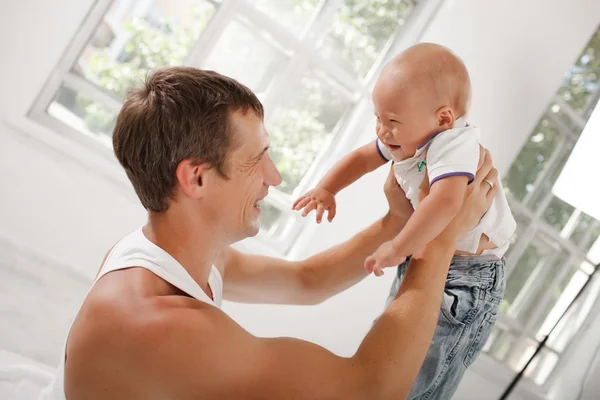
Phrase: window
x=310 y=61
x=556 y=245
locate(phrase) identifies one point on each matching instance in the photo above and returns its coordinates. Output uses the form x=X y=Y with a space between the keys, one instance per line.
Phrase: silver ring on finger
x=489 y=183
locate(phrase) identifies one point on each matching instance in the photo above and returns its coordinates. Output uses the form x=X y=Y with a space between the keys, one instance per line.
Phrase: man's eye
x=394 y=121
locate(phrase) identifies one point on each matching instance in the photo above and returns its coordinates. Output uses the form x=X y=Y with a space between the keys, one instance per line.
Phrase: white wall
x=57 y=215
x=55 y=207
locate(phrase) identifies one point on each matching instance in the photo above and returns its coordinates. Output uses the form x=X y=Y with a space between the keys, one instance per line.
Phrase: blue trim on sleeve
x=448 y=175
x=379 y=151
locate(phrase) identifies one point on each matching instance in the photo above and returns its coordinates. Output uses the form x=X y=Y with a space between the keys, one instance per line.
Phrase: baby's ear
x=445 y=117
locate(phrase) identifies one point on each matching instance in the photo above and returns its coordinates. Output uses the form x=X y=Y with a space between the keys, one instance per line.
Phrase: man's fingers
x=491 y=177
x=485 y=169
x=482 y=155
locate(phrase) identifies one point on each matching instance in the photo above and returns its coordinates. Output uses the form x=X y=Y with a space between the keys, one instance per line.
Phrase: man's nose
x=272 y=175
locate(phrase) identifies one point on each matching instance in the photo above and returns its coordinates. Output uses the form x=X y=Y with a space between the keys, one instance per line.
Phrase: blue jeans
x=474 y=288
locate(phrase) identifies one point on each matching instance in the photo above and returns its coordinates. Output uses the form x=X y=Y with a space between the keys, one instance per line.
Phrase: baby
x=421 y=100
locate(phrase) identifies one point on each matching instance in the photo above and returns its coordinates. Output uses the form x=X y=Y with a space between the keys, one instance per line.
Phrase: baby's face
x=406 y=117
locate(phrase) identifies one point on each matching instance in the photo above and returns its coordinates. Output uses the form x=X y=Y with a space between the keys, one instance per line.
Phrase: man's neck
x=193 y=244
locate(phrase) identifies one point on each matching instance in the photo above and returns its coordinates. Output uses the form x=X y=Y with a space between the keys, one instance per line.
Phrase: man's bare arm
x=203 y=352
x=190 y=350
x=260 y=279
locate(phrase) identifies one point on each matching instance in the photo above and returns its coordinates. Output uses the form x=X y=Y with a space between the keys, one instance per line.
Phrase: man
x=194 y=146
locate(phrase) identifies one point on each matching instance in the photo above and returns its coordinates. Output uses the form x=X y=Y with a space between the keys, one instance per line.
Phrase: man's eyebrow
x=262 y=152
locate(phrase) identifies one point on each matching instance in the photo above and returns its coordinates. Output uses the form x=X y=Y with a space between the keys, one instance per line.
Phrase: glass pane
x=561 y=295
x=586 y=232
x=558 y=213
x=532 y=159
x=135 y=37
x=592 y=241
x=528 y=270
x=83 y=113
x=500 y=343
x=246 y=55
x=520 y=352
x=269 y=215
x=575 y=317
x=291 y=14
x=547 y=184
x=523 y=222
x=539 y=293
x=582 y=81
x=542 y=366
x=302 y=127
x=564 y=117
x=519 y=274
x=360 y=31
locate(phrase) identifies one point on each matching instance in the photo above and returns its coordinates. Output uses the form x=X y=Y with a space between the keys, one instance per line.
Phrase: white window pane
x=575 y=317
x=540 y=257
x=583 y=80
x=557 y=110
x=542 y=366
x=136 y=37
x=521 y=352
x=82 y=113
x=500 y=343
x=302 y=125
x=541 y=290
x=562 y=294
x=269 y=215
x=291 y=14
x=360 y=31
x=594 y=252
x=522 y=177
x=244 y=54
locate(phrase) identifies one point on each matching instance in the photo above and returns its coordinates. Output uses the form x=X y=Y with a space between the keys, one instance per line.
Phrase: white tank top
x=135 y=250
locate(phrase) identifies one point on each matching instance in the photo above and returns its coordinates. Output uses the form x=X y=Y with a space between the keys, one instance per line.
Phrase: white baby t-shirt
x=455 y=152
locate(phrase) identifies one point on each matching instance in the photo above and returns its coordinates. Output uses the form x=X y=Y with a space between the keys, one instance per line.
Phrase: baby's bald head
x=433 y=72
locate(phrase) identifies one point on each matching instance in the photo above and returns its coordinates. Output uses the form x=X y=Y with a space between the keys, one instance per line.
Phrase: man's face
x=251 y=171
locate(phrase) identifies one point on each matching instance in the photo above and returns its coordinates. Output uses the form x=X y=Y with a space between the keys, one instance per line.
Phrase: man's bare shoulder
x=121 y=336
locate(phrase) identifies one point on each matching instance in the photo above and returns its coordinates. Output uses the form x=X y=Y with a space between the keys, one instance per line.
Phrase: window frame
x=304 y=56
x=576 y=254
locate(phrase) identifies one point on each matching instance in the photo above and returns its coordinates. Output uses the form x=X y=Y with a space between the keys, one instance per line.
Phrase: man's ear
x=445 y=117
x=191 y=177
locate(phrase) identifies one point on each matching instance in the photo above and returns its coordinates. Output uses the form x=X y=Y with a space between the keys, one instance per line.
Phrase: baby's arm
x=434 y=213
x=452 y=159
x=347 y=171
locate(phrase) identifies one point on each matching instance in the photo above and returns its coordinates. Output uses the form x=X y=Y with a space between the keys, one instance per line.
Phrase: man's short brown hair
x=180 y=113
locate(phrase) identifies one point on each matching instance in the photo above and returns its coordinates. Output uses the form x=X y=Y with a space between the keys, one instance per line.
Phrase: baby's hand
x=385 y=256
x=316 y=199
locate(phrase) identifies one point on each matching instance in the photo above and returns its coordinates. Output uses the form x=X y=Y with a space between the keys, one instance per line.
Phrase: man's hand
x=385 y=256
x=317 y=199
x=478 y=198
x=400 y=206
